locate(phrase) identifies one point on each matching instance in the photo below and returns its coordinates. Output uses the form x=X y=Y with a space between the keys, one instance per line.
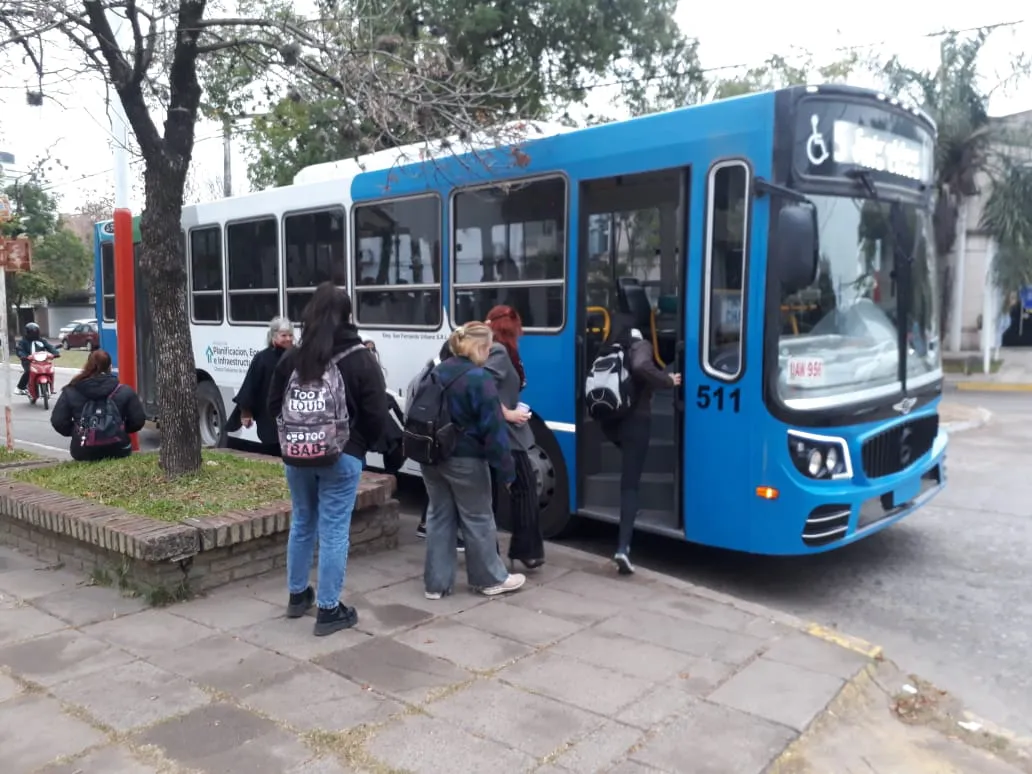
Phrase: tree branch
x=126 y=81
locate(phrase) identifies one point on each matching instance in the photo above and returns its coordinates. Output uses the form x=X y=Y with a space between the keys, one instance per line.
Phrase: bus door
x=632 y=242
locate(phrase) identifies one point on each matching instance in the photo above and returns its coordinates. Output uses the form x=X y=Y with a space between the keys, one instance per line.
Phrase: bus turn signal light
x=767 y=493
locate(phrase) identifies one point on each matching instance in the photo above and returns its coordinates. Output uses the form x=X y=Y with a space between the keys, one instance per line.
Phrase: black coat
x=365 y=392
x=68 y=410
x=253 y=395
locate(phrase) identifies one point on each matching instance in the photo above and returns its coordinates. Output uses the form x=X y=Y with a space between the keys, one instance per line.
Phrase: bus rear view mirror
x=797 y=250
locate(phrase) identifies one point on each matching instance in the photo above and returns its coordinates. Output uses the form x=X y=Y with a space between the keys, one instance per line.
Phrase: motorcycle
x=41 y=378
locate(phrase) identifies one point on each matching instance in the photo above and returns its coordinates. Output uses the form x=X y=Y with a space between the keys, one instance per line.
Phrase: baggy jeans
x=323 y=499
x=459 y=491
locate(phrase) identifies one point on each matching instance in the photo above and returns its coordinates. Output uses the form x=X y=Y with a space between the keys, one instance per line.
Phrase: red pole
x=125 y=302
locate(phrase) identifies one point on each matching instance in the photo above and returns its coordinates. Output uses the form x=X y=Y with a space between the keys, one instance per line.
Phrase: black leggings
x=521 y=505
x=631 y=435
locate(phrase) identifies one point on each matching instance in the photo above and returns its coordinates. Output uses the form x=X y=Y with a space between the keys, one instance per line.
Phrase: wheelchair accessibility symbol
x=816 y=146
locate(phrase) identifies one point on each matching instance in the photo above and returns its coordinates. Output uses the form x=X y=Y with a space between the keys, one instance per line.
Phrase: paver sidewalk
x=581 y=671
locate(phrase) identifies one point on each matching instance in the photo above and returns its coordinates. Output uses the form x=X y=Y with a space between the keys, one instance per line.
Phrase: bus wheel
x=211 y=414
x=552 y=485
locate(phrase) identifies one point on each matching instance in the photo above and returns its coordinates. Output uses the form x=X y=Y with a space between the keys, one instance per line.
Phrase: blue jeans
x=322 y=499
x=459 y=490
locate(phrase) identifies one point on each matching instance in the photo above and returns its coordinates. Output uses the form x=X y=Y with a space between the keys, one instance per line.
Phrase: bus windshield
x=839 y=340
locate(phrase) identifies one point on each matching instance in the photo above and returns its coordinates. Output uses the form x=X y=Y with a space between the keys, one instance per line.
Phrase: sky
x=77 y=133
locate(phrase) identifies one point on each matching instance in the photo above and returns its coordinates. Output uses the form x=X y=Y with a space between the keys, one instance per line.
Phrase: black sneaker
x=300 y=604
x=330 y=621
x=421 y=530
x=460 y=545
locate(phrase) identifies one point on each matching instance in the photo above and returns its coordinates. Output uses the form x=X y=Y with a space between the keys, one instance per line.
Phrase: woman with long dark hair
x=521 y=499
x=105 y=434
x=323 y=489
x=632 y=432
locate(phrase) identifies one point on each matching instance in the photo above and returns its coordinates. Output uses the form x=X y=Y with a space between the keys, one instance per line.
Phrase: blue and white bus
x=776 y=248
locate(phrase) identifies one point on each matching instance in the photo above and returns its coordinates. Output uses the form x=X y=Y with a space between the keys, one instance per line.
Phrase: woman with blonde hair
x=459 y=487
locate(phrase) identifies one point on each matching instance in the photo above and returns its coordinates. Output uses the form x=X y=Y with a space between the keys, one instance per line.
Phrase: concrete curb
x=978 y=386
x=984 y=415
x=849 y=642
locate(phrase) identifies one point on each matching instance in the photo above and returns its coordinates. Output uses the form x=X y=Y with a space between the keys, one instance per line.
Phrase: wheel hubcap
x=544 y=475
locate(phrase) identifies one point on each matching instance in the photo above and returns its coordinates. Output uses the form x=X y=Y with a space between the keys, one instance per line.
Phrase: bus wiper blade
x=863 y=177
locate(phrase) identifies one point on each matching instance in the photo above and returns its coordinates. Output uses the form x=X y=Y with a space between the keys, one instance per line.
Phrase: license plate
x=906 y=492
x=806 y=371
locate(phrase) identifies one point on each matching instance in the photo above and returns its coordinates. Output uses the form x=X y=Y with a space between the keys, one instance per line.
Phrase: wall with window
x=397 y=263
x=509 y=247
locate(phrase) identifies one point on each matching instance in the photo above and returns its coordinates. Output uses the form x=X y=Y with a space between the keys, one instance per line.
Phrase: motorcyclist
x=30 y=343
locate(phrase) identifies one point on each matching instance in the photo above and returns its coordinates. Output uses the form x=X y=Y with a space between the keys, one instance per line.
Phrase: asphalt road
x=945 y=591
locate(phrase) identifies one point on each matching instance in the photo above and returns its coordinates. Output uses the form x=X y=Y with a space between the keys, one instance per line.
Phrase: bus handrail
x=655 y=339
x=605 y=324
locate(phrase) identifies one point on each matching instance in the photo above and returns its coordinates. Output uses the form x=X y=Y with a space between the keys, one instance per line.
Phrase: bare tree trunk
x=163 y=271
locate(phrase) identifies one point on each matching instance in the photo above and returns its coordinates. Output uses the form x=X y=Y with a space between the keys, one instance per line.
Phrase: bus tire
x=211 y=414
x=552 y=483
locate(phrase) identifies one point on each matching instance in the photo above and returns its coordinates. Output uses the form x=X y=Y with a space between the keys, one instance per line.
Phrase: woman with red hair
x=521 y=498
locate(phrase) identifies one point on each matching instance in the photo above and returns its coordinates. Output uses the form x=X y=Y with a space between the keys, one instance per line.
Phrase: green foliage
x=953 y=95
x=779 y=72
x=1007 y=215
x=540 y=55
x=64 y=259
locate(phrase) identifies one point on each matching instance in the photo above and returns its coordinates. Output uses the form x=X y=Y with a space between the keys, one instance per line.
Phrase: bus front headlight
x=819 y=456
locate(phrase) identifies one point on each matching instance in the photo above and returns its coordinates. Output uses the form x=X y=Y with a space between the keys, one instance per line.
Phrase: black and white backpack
x=609 y=386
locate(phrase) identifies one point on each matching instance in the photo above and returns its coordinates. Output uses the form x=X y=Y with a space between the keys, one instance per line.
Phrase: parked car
x=65 y=330
x=84 y=335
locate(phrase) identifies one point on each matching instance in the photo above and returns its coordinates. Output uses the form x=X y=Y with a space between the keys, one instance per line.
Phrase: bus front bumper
x=857 y=511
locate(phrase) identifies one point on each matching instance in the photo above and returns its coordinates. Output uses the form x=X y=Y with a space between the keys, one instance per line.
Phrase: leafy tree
x=153 y=56
x=779 y=72
x=1007 y=216
x=543 y=54
x=65 y=260
x=34 y=215
x=968 y=146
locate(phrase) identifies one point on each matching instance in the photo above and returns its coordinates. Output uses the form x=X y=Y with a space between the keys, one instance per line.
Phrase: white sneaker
x=514 y=582
x=623 y=564
x=433 y=594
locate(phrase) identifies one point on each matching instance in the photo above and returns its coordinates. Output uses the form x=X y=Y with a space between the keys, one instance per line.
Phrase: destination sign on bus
x=874 y=149
x=833 y=138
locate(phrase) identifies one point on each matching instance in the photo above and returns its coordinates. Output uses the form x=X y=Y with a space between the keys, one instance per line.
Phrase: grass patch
x=968 y=366
x=136 y=484
x=15 y=455
x=70 y=358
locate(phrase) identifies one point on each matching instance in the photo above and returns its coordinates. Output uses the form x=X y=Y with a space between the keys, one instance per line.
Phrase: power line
x=608 y=84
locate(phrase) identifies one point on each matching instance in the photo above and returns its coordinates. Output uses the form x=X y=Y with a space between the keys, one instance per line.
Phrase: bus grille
x=899 y=447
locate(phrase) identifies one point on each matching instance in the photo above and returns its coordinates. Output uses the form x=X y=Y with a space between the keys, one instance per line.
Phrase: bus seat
x=667 y=304
x=633 y=301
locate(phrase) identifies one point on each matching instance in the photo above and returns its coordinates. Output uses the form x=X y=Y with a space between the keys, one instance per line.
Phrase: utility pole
x=227 y=157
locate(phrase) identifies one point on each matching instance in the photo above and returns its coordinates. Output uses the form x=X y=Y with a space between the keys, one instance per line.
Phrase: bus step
x=657 y=522
x=659 y=459
x=657 y=491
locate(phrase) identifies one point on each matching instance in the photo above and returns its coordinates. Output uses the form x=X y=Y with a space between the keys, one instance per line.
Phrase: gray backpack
x=314 y=423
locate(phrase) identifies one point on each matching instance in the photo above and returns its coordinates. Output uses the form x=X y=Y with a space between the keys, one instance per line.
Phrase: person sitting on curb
x=97 y=412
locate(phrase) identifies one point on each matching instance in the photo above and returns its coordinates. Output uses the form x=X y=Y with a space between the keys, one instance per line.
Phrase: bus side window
x=397 y=269
x=726 y=251
x=107 y=279
x=315 y=248
x=252 y=260
x=509 y=247
x=206 y=275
